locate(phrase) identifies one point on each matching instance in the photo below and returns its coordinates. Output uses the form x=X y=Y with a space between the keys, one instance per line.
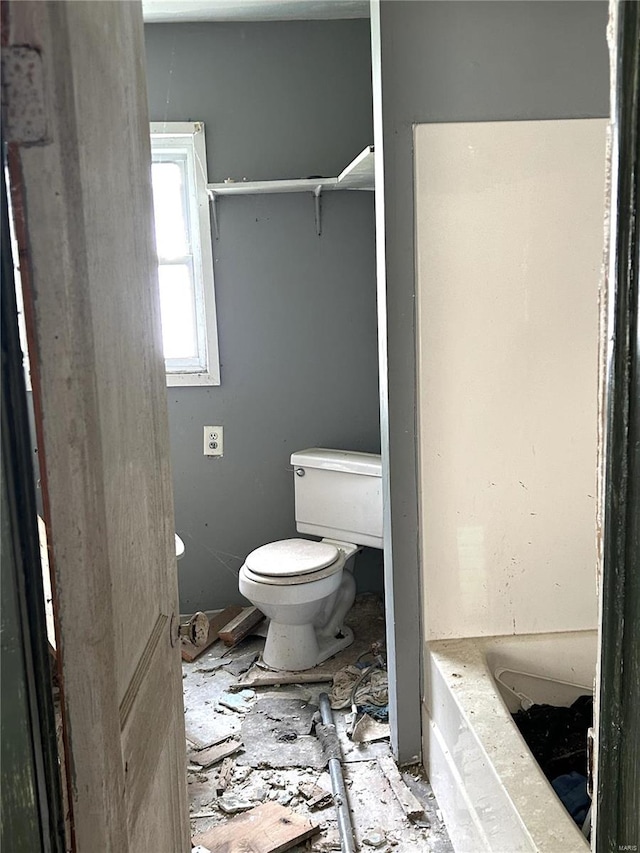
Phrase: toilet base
x=298 y=647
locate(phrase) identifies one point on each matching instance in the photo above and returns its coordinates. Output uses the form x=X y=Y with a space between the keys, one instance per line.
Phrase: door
x=76 y=120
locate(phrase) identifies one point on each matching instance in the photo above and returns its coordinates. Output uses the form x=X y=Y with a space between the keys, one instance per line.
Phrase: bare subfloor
x=216 y=705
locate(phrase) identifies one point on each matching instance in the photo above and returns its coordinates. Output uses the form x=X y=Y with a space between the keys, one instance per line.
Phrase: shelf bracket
x=214 y=213
x=317 y=201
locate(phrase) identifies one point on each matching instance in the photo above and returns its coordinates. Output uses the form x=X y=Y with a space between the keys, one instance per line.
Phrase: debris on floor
x=239 y=702
x=216 y=621
x=213 y=665
x=266 y=829
x=375 y=838
x=366 y=730
x=195 y=742
x=365 y=684
x=316 y=797
x=369 y=630
x=215 y=754
x=233 y=803
x=410 y=805
x=278 y=762
x=241 y=626
x=278 y=733
x=225 y=775
x=242 y=664
x=364 y=687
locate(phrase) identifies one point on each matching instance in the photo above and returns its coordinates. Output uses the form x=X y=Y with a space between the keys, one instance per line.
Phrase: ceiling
x=166 y=11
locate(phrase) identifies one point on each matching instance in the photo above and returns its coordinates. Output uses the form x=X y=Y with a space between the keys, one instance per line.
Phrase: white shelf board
x=293 y=185
x=358 y=175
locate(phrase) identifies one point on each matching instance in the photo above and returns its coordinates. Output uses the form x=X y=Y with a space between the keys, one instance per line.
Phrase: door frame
x=617 y=818
x=26 y=669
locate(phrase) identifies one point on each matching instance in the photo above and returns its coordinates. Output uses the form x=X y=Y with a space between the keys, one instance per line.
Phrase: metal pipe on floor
x=347 y=842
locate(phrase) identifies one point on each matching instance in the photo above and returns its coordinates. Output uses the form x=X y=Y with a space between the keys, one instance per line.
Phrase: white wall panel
x=509 y=235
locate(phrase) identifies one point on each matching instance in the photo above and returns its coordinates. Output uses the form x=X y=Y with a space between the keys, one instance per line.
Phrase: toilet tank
x=338 y=495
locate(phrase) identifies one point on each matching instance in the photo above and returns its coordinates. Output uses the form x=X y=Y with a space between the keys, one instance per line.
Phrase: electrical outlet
x=213 y=441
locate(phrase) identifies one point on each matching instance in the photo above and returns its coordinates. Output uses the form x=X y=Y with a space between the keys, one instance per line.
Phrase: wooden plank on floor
x=316 y=797
x=239 y=627
x=224 y=775
x=410 y=805
x=269 y=828
x=198 y=745
x=216 y=622
x=214 y=754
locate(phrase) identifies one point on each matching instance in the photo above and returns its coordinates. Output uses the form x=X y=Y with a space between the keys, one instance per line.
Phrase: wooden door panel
x=147 y=833
x=143 y=710
x=81 y=190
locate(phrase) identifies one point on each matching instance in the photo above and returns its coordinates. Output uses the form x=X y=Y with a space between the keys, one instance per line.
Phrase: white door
x=75 y=94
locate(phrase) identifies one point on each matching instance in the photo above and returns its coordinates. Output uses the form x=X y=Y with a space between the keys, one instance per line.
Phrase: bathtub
x=492 y=794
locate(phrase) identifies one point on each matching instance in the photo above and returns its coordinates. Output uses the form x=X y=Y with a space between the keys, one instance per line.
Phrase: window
x=185 y=260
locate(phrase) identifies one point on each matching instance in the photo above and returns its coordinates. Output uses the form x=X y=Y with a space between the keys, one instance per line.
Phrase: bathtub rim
x=458 y=662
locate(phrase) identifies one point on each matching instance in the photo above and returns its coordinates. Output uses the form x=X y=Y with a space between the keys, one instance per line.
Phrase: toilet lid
x=290 y=557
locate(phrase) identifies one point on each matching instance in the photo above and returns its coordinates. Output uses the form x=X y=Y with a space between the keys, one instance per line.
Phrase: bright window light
x=185 y=260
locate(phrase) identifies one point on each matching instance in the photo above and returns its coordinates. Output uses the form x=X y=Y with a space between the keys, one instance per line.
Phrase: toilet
x=306 y=587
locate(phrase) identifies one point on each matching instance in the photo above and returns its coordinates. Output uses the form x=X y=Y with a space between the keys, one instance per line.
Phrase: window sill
x=180 y=380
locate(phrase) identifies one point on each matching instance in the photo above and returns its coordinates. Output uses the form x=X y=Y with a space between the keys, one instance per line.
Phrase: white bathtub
x=492 y=794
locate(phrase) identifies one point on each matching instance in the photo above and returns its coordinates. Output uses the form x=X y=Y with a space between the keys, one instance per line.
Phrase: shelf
x=358 y=175
x=294 y=185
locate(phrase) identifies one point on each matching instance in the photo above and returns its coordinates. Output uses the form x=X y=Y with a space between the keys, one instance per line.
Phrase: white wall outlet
x=213 y=441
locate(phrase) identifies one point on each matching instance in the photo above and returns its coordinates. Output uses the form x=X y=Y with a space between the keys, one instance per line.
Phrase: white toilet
x=306 y=587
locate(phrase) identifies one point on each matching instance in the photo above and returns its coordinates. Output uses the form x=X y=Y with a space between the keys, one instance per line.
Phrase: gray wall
x=296 y=312
x=458 y=61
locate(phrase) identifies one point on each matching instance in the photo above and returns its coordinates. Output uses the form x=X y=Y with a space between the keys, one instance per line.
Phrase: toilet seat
x=293 y=561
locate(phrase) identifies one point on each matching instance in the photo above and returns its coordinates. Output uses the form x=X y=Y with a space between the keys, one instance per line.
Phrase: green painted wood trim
x=618 y=793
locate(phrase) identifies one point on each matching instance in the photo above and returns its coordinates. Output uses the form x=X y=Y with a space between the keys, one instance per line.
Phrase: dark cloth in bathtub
x=557 y=737
x=572 y=790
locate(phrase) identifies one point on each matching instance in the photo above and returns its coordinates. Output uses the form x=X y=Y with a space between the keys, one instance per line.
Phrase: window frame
x=189 y=139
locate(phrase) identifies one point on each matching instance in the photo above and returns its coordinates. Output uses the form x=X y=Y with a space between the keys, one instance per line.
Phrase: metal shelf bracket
x=317 y=203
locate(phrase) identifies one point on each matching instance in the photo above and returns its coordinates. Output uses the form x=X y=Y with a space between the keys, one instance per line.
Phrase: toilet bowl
x=305 y=590
x=306 y=587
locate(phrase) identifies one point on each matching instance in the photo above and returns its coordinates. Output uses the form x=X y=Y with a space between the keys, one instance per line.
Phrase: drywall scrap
x=278 y=733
